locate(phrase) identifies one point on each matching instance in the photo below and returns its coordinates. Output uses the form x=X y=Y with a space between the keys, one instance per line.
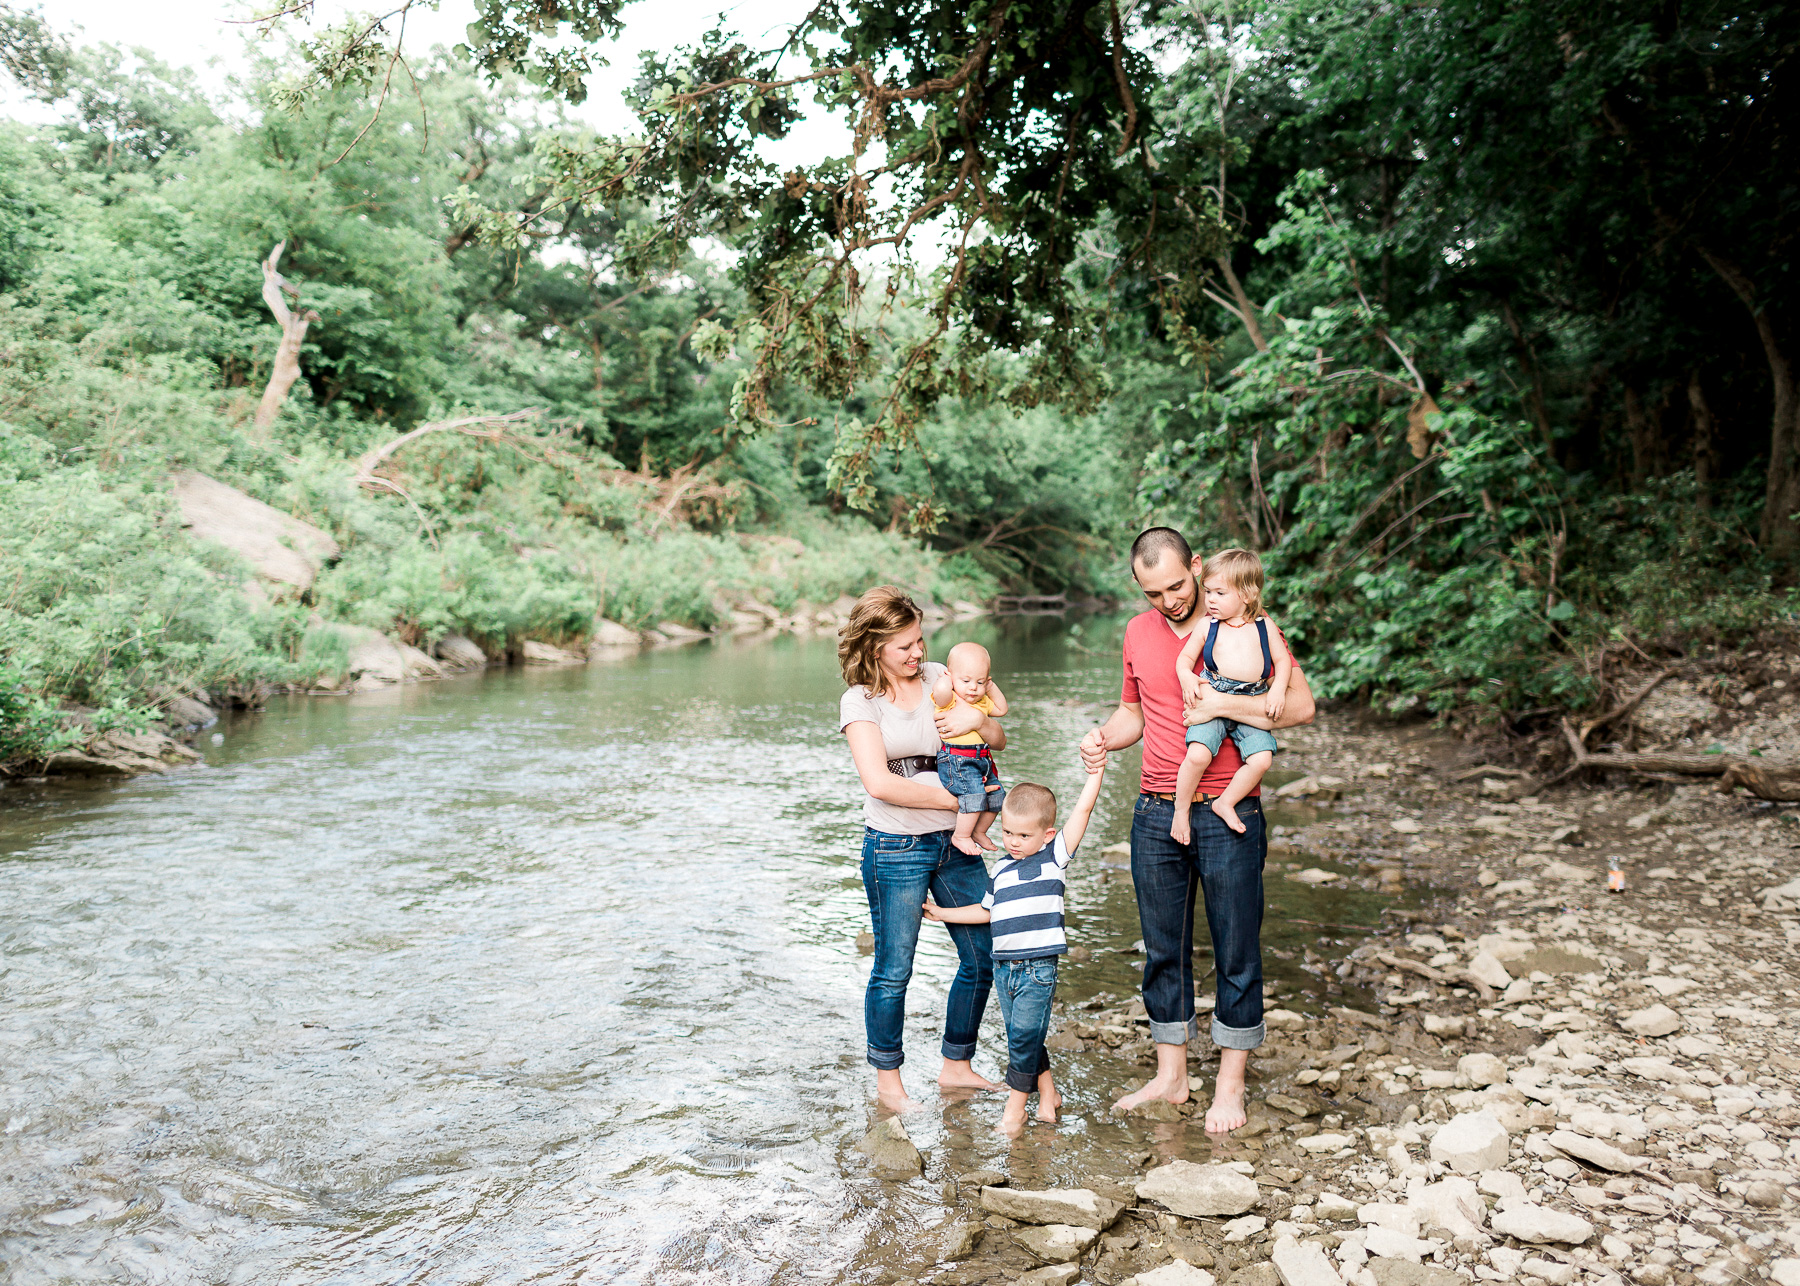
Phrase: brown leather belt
x=1168 y=796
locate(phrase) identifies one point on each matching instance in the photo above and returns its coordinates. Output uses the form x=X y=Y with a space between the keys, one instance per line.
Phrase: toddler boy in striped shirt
x=1024 y=907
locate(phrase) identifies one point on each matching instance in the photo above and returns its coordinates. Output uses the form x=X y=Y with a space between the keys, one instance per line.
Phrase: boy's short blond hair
x=1243 y=571
x=1030 y=802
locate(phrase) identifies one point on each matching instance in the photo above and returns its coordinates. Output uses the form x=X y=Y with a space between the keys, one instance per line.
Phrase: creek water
x=534 y=976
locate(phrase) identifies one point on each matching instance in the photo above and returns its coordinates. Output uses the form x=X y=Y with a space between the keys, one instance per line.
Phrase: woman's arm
x=871 y=765
x=961 y=718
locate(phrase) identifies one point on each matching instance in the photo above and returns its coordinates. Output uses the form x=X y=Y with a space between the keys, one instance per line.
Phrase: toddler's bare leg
x=1012 y=1120
x=963 y=837
x=982 y=822
x=1243 y=781
x=1049 y=1101
x=1187 y=781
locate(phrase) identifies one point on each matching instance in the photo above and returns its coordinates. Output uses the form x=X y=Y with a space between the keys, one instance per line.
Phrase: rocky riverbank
x=1550 y=1082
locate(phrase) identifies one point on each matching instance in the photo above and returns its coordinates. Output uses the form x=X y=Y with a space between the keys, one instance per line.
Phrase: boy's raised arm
x=1076 y=827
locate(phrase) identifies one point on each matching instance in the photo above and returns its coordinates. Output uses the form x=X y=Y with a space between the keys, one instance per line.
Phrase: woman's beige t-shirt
x=903 y=733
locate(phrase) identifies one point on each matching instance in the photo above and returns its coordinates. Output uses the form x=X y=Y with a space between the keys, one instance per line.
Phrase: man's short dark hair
x=1155 y=543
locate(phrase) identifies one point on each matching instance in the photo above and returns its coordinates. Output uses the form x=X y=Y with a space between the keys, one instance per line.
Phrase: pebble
x=1471 y=1143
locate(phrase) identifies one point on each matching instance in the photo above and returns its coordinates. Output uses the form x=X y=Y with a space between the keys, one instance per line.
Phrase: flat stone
x=1051 y=1275
x=1400 y=1272
x=1785 y=1272
x=1075 y=1206
x=1550 y=1270
x=1487 y=967
x=1314 y=875
x=1056 y=1243
x=1657 y=1020
x=1471 y=1143
x=1482 y=1069
x=1244 y=1227
x=1199 y=1191
x=278 y=546
x=1284 y=1020
x=1666 y=987
x=1594 y=1152
x=891 y=1148
x=1502 y=1183
x=1263 y=1274
x=982 y=1179
x=1452 y=1204
x=1764 y=1194
x=1542 y=1224
x=1322 y=1143
x=1391 y=1215
x=1175 y=1273
x=958 y=1240
x=1291 y=1105
x=536 y=653
x=1658 y=1069
x=1388 y=1244
x=1329 y=1205
x=1303 y=1264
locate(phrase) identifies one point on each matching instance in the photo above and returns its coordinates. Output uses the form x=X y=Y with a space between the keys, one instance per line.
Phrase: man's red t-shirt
x=1151 y=647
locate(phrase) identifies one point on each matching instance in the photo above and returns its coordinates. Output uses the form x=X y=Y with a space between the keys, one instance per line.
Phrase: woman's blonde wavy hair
x=1243 y=571
x=879 y=614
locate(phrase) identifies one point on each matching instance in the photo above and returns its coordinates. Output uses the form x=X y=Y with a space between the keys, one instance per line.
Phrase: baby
x=965 y=764
x=1239 y=658
x=1024 y=905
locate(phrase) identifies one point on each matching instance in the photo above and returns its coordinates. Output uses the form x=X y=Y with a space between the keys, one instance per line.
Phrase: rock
x=1659 y=1275
x=419 y=665
x=1314 y=875
x=1406 y=825
x=536 y=653
x=1157 y=1109
x=1400 y=1272
x=891 y=1148
x=185 y=712
x=1390 y=1244
x=1565 y=871
x=1318 y=1144
x=1053 y=1275
x=1291 y=1105
x=1199 y=1191
x=1658 y=1069
x=278 y=546
x=1244 y=1227
x=1557 y=1274
x=1557 y=960
x=1329 y=1205
x=1452 y=1204
x=459 y=653
x=77 y=763
x=1785 y=1272
x=981 y=1179
x=1482 y=1069
x=1657 y=1020
x=676 y=630
x=1303 y=1264
x=1502 y=1183
x=610 y=634
x=1444 y=1025
x=1387 y=1214
x=1175 y=1273
x=1263 y=1274
x=1284 y=1020
x=1541 y=1224
x=1471 y=1143
x=1487 y=967
x=1594 y=1152
x=1764 y=1194
x=1075 y=1206
x=958 y=1240
x=375 y=660
x=1056 y=1243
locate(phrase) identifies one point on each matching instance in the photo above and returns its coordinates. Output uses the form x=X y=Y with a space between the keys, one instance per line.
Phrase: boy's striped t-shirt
x=1025 y=900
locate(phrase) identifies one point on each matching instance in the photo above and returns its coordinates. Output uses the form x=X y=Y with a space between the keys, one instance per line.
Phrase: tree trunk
x=1246 y=309
x=293 y=333
x=1540 y=411
x=1706 y=445
x=1781 y=500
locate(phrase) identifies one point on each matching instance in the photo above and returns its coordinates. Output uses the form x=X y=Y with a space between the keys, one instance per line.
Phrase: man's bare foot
x=890 y=1091
x=1178 y=829
x=1171 y=1088
x=967 y=844
x=1227 y=1111
x=958 y=1075
x=1228 y=814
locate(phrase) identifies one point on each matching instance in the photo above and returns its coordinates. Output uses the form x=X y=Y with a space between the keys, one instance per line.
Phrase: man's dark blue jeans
x=897 y=872
x=1228 y=869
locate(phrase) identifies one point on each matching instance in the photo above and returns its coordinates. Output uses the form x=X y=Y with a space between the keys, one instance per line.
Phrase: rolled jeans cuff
x=1237 y=1037
x=961 y=1053
x=1174 y=1033
x=886 y=1060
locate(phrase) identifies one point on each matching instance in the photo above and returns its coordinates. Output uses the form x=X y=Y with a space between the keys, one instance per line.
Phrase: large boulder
x=1199 y=1191
x=117 y=753
x=279 y=547
x=536 y=653
x=610 y=634
x=1077 y=1207
x=376 y=661
x=459 y=653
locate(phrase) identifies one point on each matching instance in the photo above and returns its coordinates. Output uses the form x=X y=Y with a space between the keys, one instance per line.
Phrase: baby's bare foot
x=987 y=844
x=1228 y=815
x=967 y=844
x=1178 y=829
x=1227 y=1111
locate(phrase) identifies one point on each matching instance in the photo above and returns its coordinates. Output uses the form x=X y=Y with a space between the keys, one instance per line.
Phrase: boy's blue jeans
x=1228 y=868
x=1025 y=989
x=897 y=872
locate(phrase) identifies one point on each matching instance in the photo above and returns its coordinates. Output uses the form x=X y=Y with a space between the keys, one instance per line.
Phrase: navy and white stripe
x=1025 y=899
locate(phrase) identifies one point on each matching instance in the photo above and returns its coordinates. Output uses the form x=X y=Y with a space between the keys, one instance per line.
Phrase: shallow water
x=544 y=975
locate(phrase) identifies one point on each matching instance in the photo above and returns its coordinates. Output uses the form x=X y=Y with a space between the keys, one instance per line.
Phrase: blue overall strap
x=1262 y=632
x=1212 y=632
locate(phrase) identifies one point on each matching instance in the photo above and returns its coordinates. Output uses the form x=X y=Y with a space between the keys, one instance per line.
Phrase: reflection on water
x=540 y=975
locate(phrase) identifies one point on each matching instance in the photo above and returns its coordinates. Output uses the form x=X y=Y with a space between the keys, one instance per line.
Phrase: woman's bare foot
x=1048 y=1107
x=1228 y=814
x=1171 y=1087
x=890 y=1090
x=1178 y=829
x=959 y=1075
x=965 y=844
x=1227 y=1111
x=1012 y=1120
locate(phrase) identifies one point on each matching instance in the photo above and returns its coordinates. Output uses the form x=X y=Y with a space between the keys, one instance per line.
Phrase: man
x=1226 y=865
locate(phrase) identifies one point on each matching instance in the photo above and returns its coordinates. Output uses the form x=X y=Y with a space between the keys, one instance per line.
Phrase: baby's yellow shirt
x=971 y=738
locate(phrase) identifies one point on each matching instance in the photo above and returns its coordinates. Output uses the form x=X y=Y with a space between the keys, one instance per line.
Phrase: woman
x=894 y=729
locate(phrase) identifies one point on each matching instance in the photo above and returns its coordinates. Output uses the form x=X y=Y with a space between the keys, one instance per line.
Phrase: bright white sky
x=201 y=35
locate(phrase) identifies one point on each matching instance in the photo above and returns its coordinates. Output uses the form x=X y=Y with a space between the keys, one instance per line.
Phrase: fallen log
x=1777 y=782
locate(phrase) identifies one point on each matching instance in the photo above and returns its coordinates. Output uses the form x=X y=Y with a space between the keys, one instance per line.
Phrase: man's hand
x=958 y=719
x=1208 y=705
x=1093 y=751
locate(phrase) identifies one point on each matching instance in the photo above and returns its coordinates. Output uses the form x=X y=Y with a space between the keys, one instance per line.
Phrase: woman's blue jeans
x=1228 y=868
x=897 y=872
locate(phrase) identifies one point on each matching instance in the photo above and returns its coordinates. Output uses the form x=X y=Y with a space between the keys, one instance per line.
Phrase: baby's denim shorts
x=968 y=778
